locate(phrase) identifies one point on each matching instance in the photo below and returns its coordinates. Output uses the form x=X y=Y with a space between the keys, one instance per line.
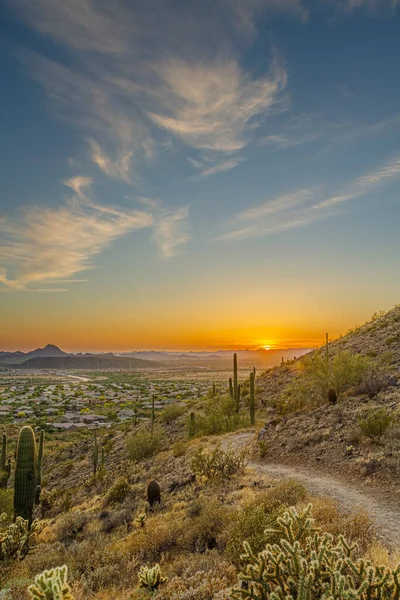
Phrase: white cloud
x=119 y=169
x=171 y=231
x=47 y=244
x=276 y=205
x=370 y=5
x=215 y=105
x=79 y=184
x=304 y=207
x=225 y=165
x=136 y=65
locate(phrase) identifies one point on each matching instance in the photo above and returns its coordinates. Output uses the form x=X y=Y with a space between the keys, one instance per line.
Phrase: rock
x=261 y=433
x=175 y=485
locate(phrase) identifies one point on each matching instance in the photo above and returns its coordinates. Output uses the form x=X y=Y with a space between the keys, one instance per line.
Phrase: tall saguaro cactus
x=25 y=475
x=153 y=414
x=5 y=465
x=95 y=455
x=235 y=380
x=252 y=400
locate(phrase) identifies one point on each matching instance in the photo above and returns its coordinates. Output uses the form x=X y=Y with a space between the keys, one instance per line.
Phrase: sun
x=267 y=347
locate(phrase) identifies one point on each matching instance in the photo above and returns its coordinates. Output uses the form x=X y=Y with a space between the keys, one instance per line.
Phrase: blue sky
x=173 y=159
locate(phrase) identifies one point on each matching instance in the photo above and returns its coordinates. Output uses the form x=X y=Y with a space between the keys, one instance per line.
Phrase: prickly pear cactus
x=51 y=585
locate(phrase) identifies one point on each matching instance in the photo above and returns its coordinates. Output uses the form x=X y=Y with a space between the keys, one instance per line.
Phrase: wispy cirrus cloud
x=52 y=244
x=305 y=206
x=308 y=128
x=371 y=5
x=119 y=168
x=215 y=106
x=138 y=71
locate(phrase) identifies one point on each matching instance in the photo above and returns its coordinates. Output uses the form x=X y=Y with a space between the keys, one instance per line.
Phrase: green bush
x=307 y=563
x=375 y=425
x=71 y=525
x=119 y=491
x=144 y=444
x=217 y=462
x=310 y=389
x=250 y=524
x=6 y=503
x=172 y=412
x=220 y=416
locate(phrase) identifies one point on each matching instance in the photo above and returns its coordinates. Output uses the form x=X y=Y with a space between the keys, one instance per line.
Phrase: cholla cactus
x=18 y=539
x=310 y=564
x=51 y=585
x=151 y=577
x=140 y=520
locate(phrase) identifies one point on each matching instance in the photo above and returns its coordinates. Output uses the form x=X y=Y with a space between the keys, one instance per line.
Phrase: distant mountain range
x=52 y=357
x=49 y=350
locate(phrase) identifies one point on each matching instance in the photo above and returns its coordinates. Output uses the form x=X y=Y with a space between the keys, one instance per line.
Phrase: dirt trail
x=387 y=518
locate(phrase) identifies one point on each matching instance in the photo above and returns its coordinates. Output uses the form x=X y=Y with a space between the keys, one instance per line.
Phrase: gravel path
x=387 y=518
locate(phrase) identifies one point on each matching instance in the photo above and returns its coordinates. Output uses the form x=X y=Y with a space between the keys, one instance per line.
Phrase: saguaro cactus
x=252 y=400
x=192 y=425
x=230 y=387
x=25 y=475
x=39 y=464
x=235 y=380
x=103 y=459
x=95 y=455
x=5 y=465
x=153 y=413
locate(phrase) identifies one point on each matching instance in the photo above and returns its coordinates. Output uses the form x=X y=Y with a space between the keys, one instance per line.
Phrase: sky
x=197 y=175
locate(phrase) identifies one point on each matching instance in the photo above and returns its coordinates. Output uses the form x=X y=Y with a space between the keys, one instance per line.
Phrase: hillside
x=329 y=437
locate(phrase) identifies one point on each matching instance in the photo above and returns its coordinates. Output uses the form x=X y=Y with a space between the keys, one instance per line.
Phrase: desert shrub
x=118 y=492
x=250 y=524
x=45 y=558
x=217 y=462
x=144 y=444
x=375 y=424
x=356 y=527
x=179 y=449
x=172 y=412
x=220 y=416
x=150 y=542
x=116 y=519
x=286 y=493
x=375 y=380
x=70 y=526
x=202 y=579
x=100 y=565
x=205 y=524
x=318 y=376
x=6 y=504
x=311 y=564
